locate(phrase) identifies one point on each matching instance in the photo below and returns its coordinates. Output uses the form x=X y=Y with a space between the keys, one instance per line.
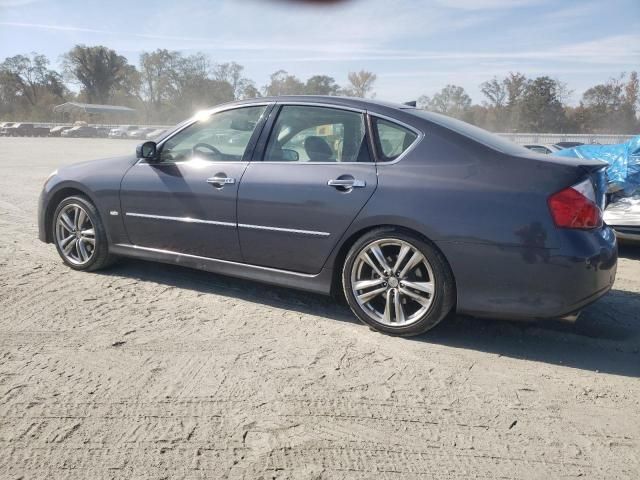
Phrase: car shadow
x=606 y=337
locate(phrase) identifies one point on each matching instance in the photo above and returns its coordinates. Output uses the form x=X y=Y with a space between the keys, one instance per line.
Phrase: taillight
x=575 y=207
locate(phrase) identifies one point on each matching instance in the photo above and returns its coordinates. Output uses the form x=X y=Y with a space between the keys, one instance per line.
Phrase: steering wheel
x=213 y=149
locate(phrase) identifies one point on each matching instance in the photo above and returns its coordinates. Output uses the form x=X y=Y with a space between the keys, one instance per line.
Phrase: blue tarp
x=623 y=172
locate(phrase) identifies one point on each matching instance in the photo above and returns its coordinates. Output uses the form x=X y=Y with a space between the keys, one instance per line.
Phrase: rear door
x=186 y=202
x=312 y=178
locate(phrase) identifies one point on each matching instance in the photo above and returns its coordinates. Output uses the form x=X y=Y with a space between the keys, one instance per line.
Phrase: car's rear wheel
x=398 y=283
x=79 y=235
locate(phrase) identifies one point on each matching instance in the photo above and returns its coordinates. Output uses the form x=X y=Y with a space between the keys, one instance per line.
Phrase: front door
x=186 y=201
x=316 y=175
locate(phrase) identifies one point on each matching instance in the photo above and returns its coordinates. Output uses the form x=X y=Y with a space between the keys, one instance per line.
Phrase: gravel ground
x=155 y=371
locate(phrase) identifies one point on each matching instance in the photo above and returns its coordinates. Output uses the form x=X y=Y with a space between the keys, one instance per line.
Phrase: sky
x=414 y=46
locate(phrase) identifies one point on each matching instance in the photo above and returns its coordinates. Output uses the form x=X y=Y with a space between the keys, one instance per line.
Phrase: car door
x=185 y=200
x=314 y=175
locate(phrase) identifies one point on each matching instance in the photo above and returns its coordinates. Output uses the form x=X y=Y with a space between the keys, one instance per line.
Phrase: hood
x=76 y=171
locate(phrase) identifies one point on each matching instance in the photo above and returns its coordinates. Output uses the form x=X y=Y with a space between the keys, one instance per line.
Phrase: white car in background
x=624 y=217
x=124 y=131
x=542 y=148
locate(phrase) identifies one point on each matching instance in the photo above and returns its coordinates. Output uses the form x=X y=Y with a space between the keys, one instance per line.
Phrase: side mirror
x=147 y=150
x=289 y=155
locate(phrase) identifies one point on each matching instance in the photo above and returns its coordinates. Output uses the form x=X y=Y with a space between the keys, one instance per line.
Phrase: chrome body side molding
x=228 y=224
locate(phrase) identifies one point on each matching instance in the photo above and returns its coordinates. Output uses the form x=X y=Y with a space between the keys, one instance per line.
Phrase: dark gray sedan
x=409 y=215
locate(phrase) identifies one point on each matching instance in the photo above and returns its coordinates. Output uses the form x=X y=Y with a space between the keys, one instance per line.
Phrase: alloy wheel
x=75 y=234
x=393 y=282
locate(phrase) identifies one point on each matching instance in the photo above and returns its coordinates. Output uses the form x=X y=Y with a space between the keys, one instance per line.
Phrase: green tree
x=452 y=100
x=321 y=85
x=281 y=83
x=232 y=74
x=29 y=78
x=99 y=70
x=541 y=106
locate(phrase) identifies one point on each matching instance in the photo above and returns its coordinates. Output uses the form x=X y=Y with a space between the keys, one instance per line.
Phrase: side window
x=223 y=136
x=317 y=134
x=393 y=139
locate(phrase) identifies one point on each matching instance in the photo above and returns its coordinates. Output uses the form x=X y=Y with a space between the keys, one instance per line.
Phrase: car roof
x=353 y=102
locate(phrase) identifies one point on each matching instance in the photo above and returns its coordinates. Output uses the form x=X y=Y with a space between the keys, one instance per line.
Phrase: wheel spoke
x=397 y=302
x=426 y=287
x=88 y=233
x=66 y=222
x=401 y=255
x=362 y=284
x=364 y=256
x=89 y=240
x=69 y=246
x=377 y=252
x=387 y=306
x=418 y=298
x=65 y=241
x=82 y=250
x=370 y=295
x=80 y=218
x=413 y=261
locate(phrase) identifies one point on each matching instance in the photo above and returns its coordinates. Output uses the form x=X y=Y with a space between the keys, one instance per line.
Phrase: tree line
x=167 y=86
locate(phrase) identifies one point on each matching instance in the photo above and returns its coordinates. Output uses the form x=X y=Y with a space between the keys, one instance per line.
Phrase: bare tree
x=360 y=83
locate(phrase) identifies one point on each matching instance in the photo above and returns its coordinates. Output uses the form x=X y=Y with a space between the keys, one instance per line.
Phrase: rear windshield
x=480 y=135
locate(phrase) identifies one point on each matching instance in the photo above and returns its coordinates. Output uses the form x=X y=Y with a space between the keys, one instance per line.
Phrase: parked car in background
x=57 y=131
x=139 y=133
x=21 y=129
x=623 y=216
x=541 y=148
x=80 y=132
x=102 y=132
x=154 y=134
x=4 y=128
x=409 y=214
x=562 y=145
x=123 y=131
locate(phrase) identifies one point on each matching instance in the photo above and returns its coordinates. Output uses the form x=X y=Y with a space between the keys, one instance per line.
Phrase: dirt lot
x=153 y=371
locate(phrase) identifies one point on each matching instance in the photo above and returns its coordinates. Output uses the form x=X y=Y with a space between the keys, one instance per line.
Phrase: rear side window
x=393 y=139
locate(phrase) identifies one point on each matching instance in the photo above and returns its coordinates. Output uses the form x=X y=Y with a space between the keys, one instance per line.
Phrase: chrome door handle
x=221 y=181
x=347 y=183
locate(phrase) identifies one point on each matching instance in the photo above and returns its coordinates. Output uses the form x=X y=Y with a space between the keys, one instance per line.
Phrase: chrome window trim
x=228 y=224
x=420 y=135
x=228 y=262
x=315 y=163
x=284 y=103
x=180 y=219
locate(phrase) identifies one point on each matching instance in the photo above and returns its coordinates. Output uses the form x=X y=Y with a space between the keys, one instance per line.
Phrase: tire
x=425 y=292
x=82 y=255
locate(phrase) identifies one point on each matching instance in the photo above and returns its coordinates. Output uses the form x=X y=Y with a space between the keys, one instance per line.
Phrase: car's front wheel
x=397 y=283
x=79 y=234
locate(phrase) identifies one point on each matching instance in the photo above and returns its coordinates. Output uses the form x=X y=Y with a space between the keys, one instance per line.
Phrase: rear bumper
x=514 y=282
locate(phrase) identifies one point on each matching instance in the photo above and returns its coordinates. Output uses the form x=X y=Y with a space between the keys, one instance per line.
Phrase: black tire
x=100 y=257
x=444 y=291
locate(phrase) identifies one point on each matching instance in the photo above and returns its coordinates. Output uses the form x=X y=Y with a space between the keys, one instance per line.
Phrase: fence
x=551 y=138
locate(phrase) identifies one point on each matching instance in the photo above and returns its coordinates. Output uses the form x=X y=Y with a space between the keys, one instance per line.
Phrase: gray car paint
x=483 y=205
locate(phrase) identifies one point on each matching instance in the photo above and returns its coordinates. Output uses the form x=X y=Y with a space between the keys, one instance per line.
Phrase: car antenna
x=412 y=103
